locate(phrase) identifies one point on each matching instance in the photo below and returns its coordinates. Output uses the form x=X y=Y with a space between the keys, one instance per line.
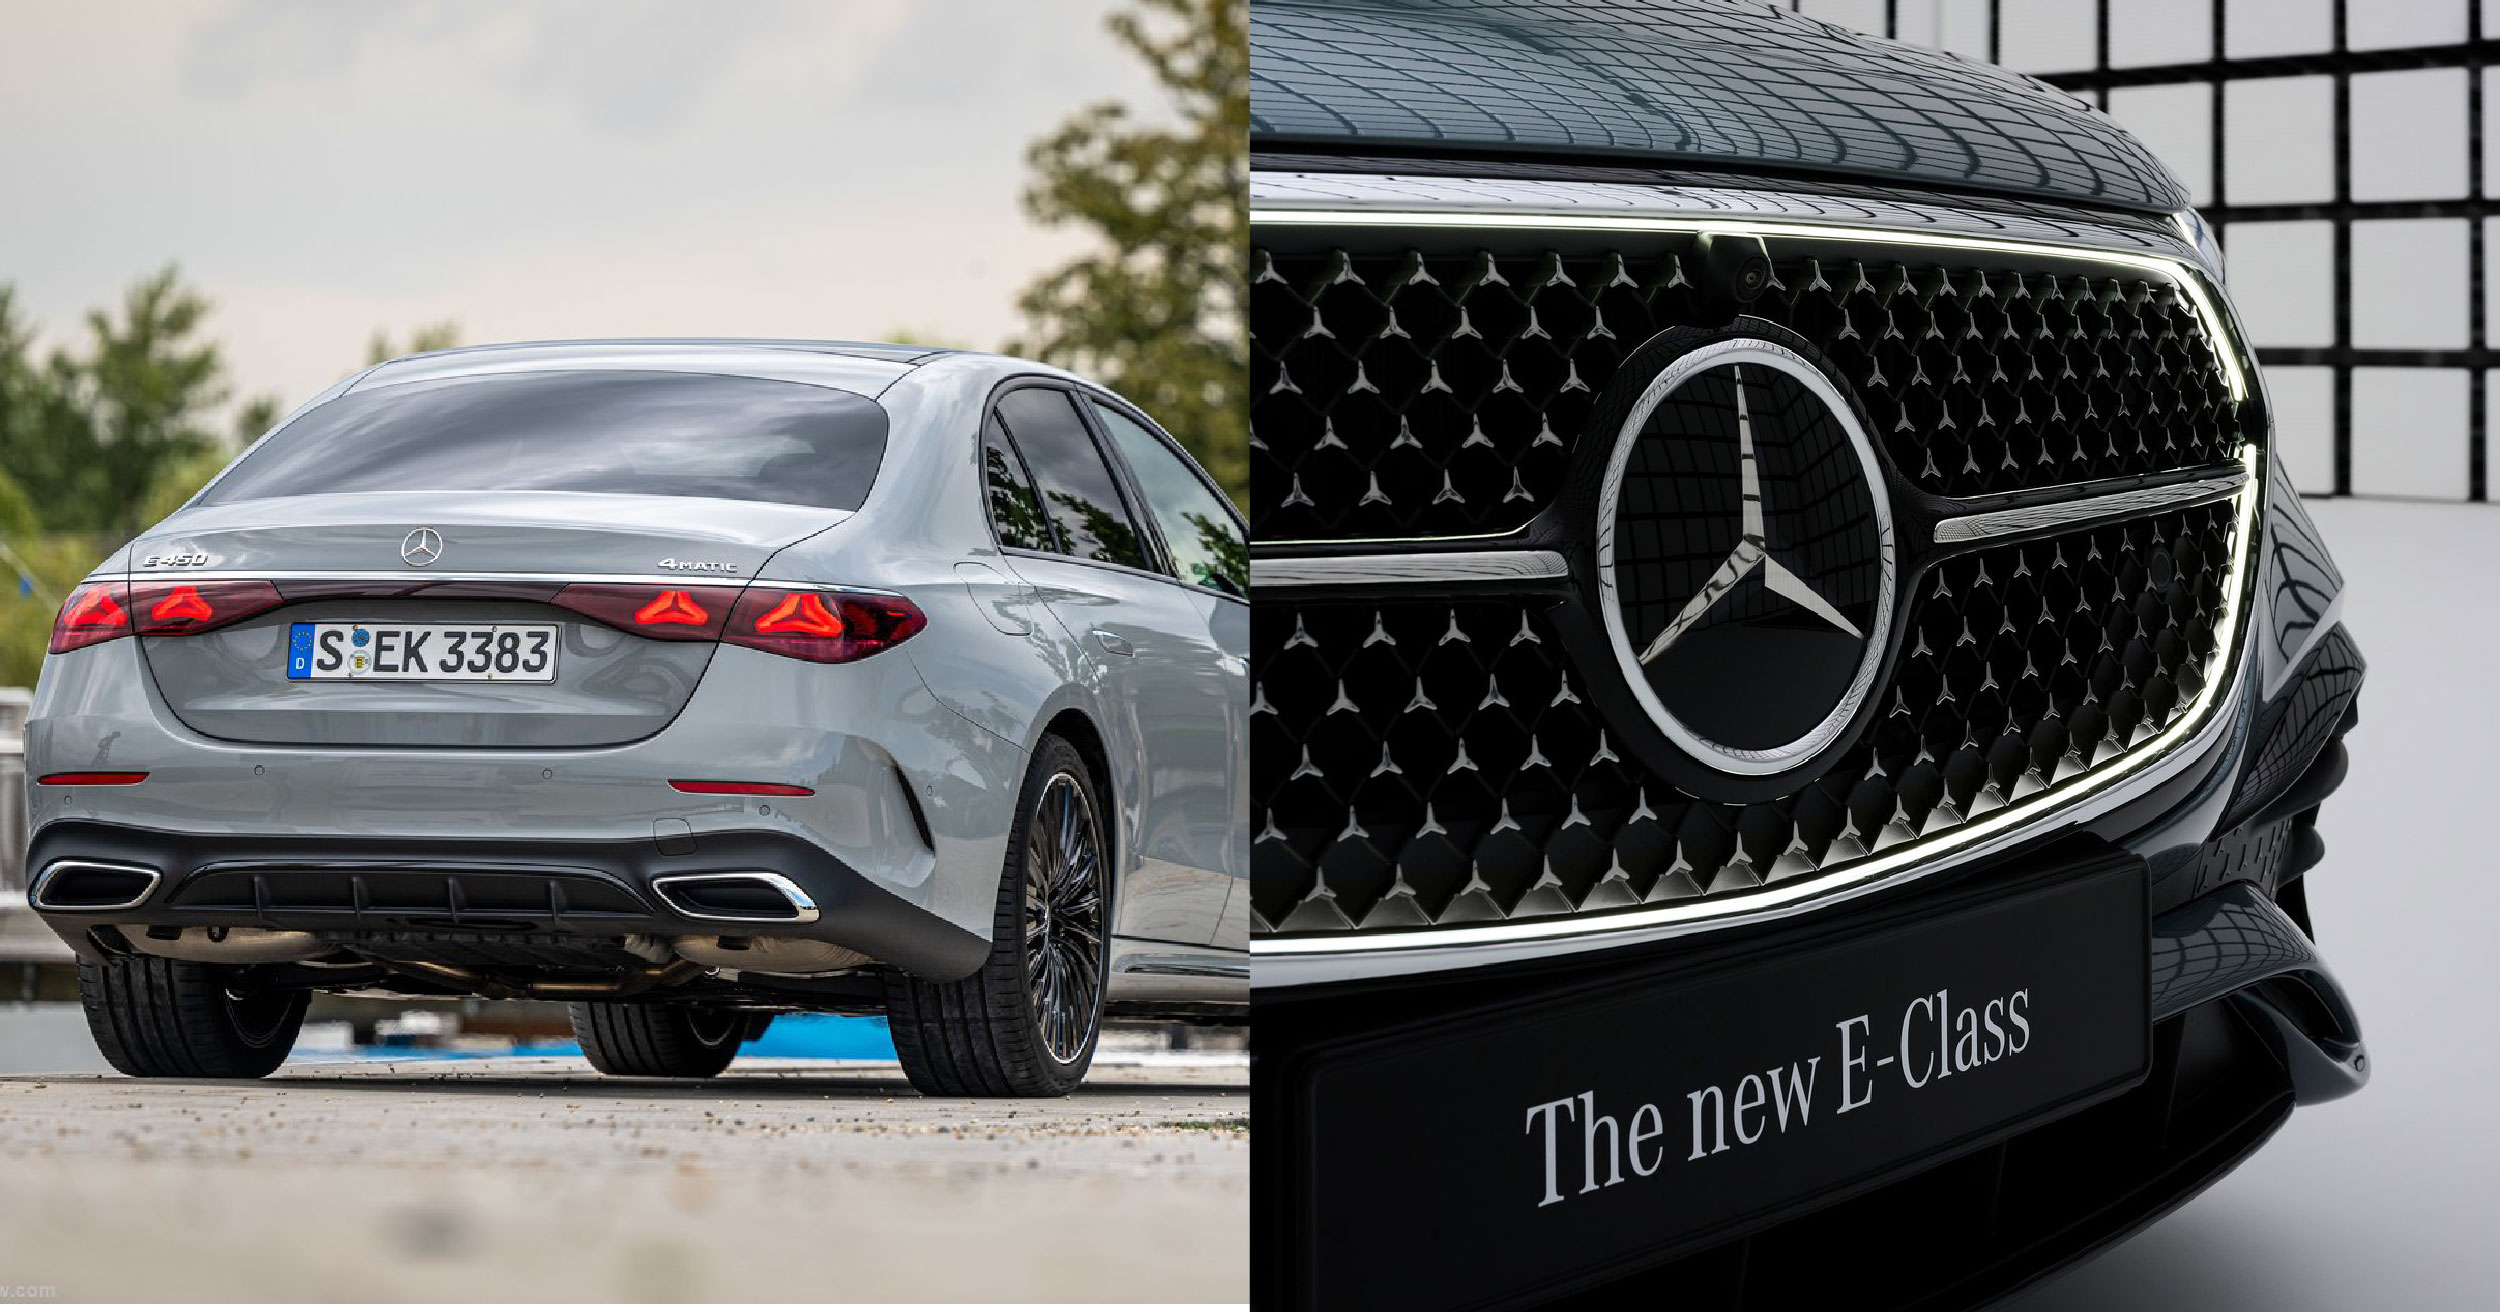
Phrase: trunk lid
x=489 y=558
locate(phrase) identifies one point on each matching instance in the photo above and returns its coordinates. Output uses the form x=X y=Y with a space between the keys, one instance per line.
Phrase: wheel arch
x=1079 y=730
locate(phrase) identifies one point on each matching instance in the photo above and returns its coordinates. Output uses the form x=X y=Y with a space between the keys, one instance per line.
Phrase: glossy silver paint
x=1008 y=649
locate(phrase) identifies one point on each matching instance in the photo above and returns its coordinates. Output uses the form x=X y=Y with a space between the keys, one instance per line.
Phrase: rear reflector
x=735 y=787
x=163 y=609
x=77 y=778
x=822 y=625
x=94 y=613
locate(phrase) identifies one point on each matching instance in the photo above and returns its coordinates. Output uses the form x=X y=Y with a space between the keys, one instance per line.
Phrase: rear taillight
x=169 y=609
x=95 y=612
x=824 y=626
x=668 y=614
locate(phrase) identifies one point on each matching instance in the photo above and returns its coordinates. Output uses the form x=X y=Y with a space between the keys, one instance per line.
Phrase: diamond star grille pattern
x=1399 y=393
x=1422 y=763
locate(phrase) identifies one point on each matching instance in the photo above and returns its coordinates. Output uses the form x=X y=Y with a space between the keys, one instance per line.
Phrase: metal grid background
x=2091 y=73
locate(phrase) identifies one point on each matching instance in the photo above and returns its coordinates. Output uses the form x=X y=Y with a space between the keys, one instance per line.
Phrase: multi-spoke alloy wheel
x=1063 y=917
x=1025 y=1023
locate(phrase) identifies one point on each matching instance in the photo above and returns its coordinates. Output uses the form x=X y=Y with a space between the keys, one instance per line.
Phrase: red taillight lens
x=673 y=607
x=668 y=614
x=802 y=613
x=93 y=778
x=186 y=603
x=95 y=613
x=736 y=788
x=822 y=626
x=162 y=609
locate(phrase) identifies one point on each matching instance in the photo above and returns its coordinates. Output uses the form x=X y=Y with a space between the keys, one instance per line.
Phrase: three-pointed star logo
x=1753 y=552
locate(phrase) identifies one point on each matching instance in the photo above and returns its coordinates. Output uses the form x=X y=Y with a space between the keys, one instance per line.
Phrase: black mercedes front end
x=1792 y=705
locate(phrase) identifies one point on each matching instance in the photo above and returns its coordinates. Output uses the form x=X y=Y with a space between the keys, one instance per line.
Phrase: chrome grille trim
x=1282 y=196
x=2065 y=514
x=1427 y=568
x=1364 y=201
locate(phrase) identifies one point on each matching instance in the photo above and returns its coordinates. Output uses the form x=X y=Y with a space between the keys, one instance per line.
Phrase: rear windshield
x=648 y=433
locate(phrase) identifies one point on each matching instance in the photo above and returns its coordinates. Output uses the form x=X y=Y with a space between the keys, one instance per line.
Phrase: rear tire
x=658 y=1040
x=1025 y=1024
x=161 y=1019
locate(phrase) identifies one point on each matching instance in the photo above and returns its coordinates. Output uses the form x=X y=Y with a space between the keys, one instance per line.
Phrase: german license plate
x=435 y=653
x=1493 y=1157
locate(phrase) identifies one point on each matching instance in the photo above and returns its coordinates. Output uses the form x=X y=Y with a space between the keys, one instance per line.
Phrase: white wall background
x=2409 y=142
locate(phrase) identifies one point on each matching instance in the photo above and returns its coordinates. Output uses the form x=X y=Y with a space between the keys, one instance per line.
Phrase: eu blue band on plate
x=299 y=651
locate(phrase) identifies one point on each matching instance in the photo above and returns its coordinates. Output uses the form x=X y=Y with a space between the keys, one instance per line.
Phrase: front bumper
x=2247 y=1022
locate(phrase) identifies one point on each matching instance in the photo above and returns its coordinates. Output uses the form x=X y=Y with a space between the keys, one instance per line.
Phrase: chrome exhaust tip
x=743 y=896
x=74 y=885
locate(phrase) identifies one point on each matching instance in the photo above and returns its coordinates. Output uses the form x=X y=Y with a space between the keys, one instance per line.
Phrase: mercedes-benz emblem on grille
x=1745 y=556
x=421 y=547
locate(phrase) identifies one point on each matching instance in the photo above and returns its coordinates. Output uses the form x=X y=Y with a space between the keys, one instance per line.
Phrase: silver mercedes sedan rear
x=687 y=682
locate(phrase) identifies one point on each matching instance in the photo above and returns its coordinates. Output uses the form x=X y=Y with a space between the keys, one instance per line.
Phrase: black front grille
x=1427 y=763
x=1398 y=392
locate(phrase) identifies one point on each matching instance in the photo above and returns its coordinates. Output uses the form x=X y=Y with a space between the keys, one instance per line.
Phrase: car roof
x=865 y=367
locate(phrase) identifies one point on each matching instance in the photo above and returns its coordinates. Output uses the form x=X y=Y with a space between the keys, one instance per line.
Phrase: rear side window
x=1014 y=511
x=1077 y=488
x=1198 y=528
x=641 y=432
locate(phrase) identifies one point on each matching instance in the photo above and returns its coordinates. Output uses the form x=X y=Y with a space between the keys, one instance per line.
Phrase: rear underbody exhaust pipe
x=769 y=955
x=677 y=972
x=744 y=896
x=221 y=946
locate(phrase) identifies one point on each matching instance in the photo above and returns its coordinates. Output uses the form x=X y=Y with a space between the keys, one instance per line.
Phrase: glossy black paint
x=1535 y=86
x=1434 y=1100
x=1715 y=82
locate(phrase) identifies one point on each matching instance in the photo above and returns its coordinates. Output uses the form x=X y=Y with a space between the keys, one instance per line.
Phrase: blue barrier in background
x=862 y=1038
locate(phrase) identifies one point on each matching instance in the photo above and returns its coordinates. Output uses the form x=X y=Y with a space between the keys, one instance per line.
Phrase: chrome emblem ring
x=422 y=547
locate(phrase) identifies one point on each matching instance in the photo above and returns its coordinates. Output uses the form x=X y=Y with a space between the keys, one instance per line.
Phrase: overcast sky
x=545 y=168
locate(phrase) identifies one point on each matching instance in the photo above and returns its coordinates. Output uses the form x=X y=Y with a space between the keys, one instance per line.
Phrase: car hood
x=1731 y=83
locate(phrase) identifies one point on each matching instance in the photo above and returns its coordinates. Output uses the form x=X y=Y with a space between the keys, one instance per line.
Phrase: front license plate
x=1504 y=1154
x=435 y=653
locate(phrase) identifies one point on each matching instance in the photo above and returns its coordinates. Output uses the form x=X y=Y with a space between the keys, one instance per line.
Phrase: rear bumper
x=345 y=886
x=908 y=795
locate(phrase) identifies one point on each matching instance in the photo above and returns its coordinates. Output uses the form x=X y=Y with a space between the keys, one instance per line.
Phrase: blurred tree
x=17 y=511
x=26 y=409
x=1158 y=315
x=427 y=337
x=95 y=430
